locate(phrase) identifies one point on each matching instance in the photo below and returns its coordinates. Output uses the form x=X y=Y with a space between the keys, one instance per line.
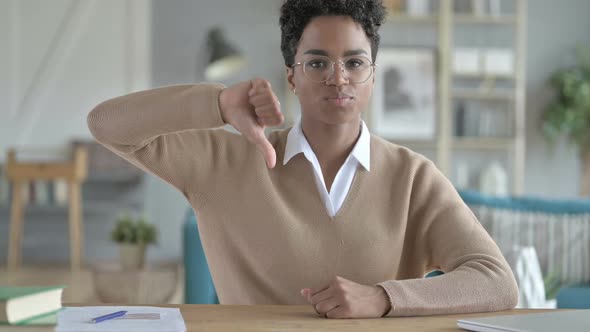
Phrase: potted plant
x=133 y=236
x=569 y=111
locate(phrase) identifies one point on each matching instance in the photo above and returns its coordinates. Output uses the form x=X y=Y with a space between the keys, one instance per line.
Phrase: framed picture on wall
x=404 y=98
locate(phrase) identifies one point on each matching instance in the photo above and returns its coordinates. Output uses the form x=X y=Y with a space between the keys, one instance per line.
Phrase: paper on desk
x=78 y=319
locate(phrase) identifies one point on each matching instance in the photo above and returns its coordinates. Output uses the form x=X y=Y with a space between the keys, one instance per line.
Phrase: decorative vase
x=585 y=164
x=132 y=255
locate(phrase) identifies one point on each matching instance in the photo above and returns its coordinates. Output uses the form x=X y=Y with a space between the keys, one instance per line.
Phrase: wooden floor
x=80 y=285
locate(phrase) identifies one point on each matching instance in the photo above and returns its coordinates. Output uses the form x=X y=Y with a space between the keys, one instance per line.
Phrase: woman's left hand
x=343 y=298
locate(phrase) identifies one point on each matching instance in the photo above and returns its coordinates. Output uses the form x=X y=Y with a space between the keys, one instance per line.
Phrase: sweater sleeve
x=163 y=131
x=447 y=236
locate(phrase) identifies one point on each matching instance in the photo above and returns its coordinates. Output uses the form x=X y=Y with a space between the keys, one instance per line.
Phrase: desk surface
x=303 y=318
x=215 y=318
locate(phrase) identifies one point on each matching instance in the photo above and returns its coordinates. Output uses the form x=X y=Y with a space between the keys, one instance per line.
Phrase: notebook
x=79 y=319
x=568 y=320
x=23 y=305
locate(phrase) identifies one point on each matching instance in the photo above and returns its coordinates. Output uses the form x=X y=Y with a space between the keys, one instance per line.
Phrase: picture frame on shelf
x=404 y=96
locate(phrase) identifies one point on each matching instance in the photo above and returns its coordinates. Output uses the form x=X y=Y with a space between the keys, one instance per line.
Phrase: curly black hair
x=296 y=14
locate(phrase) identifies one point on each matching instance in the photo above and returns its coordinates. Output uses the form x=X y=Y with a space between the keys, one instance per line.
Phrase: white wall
x=63 y=57
x=59 y=59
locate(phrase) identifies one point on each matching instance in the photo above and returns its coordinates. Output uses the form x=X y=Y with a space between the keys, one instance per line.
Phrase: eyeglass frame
x=342 y=64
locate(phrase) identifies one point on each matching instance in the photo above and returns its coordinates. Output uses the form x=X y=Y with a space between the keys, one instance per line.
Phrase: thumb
x=264 y=146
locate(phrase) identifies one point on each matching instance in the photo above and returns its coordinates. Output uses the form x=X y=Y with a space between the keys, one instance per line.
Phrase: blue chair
x=198 y=285
x=434 y=273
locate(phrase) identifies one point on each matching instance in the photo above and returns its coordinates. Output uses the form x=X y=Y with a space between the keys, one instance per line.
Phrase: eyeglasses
x=319 y=69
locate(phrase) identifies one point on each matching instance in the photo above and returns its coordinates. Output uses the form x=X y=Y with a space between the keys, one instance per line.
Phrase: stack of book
x=36 y=305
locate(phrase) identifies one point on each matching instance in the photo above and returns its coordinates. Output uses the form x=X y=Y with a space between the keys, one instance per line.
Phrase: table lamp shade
x=224 y=59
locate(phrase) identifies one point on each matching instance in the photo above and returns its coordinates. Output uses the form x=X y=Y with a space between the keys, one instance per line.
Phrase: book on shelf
x=29 y=305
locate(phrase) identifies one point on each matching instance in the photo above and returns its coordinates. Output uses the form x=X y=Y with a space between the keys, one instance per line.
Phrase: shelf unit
x=445 y=143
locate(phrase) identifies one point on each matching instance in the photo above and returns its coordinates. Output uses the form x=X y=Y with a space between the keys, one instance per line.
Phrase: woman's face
x=336 y=101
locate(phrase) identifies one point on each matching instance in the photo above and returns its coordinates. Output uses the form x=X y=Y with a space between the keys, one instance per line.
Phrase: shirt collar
x=297 y=143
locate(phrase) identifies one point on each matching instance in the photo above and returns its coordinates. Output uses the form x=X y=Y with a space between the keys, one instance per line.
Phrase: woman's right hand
x=251 y=106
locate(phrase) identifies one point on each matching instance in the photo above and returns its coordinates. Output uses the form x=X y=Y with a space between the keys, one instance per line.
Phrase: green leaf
x=129 y=230
x=569 y=111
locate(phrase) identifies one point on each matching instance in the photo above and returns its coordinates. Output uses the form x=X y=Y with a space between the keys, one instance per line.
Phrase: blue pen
x=109 y=316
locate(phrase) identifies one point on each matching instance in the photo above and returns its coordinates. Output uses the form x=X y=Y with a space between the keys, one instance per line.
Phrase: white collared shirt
x=360 y=154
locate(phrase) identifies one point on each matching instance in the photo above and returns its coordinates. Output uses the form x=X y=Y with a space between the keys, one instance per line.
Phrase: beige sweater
x=266 y=233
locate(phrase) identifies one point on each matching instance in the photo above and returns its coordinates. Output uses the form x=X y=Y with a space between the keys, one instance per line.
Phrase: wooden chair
x=19 y=174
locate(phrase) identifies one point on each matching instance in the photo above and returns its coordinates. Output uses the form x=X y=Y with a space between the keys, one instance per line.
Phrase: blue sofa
x=493 y=212
x=199 y=287
x=574 y=297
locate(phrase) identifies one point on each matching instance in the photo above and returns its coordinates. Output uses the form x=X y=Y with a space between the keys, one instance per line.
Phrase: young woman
x=324 y=212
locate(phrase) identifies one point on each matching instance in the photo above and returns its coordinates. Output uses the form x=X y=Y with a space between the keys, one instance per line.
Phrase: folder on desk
x=79 y=319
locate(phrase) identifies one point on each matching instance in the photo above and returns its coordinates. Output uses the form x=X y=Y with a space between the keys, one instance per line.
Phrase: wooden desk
x=217 y=318
x=303 y=318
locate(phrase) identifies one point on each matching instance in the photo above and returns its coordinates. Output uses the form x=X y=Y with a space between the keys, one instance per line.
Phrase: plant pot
x=132 y=255
x=585 y=164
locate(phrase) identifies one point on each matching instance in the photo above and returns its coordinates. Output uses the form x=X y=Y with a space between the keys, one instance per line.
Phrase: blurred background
x=496 y=92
